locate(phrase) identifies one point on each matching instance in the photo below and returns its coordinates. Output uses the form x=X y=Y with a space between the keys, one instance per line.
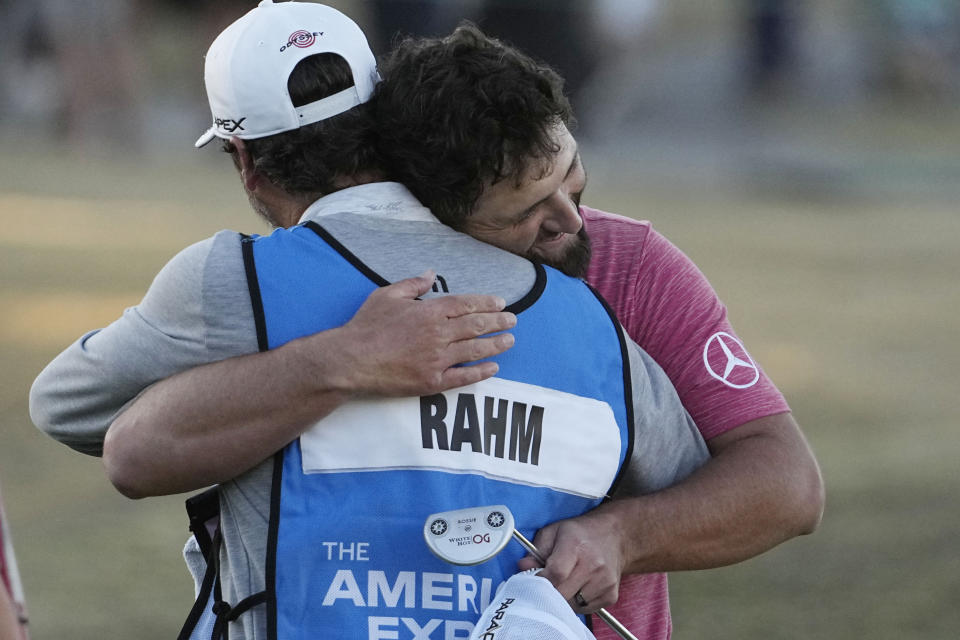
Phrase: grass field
x=850 y=305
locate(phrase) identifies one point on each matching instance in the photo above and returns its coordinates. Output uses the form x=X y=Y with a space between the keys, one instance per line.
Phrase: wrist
x=321 y=364
x=621 y=517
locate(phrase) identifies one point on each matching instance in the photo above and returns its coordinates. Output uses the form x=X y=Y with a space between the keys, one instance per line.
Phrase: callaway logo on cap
x=247 y=68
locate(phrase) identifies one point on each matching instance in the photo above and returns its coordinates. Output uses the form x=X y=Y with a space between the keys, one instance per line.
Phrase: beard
x=575 y=258
x=263 y=211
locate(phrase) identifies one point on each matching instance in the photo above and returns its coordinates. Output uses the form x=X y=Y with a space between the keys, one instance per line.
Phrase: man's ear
x=248 y=173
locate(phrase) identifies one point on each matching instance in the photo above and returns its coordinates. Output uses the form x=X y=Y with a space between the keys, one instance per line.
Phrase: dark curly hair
x=307 y=162
x=457 y=113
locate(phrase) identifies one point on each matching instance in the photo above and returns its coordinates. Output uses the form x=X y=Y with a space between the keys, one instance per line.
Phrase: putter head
x=468 y=536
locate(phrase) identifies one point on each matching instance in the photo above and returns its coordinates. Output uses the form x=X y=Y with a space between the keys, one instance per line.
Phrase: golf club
x=476 y=534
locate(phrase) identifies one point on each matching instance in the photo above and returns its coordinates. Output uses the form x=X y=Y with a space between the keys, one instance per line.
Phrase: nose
x=563 y=216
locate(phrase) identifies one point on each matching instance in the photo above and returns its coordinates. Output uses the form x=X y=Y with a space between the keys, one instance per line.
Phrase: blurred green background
x=820 y=200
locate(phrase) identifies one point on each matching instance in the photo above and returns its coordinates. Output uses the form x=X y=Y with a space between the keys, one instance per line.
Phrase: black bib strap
x=210 y=580
x=224 y=612
x=204 y=512
x=246 y=604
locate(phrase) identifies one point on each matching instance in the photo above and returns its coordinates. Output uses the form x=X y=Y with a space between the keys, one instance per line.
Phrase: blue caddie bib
x=548 y=437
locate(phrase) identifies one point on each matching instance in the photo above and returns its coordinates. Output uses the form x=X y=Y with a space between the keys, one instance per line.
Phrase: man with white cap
x=251 y=110
x=322 y=537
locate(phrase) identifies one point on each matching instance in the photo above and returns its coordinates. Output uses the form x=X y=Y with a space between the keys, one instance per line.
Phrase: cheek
x=512 y=240
x=521 y=238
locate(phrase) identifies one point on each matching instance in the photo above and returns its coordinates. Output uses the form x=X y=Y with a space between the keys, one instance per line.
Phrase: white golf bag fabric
x=528 y=607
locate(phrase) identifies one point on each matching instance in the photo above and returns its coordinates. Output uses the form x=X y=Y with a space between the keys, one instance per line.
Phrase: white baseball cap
x=248 y=64
x=528 y=607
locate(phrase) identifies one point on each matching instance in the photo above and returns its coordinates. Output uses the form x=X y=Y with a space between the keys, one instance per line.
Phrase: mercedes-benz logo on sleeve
x=727 y=360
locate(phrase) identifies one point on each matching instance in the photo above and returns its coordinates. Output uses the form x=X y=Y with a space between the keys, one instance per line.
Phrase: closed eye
x=526 y=214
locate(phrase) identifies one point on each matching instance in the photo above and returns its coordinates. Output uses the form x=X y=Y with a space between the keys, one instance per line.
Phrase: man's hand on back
x=397 y=345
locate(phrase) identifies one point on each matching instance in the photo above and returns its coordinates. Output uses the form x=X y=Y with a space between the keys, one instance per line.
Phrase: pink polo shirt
x=669 y=309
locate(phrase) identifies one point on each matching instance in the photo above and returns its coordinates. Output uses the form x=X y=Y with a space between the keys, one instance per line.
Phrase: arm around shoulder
x=212 y=423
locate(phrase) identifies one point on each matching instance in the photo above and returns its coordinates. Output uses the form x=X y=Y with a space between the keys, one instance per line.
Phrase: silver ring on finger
x=579 y=599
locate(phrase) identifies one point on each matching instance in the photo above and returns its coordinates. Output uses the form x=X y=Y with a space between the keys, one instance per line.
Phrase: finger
x=545 y=539
x=596 y=593
x=462 y=376
x=411 y=288
x=597 y=581
x=528 y=562
x=480 y=324
x=460 y=305
x=563 y=565
x=579 y=601
x=479 y=348
x=563 y=577
x=557 y=567
x=594 y=582
x=586 y=605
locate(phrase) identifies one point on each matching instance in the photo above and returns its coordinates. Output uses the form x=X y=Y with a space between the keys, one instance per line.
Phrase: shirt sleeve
x=197 y=310
x=670 y=309
x=667 y=447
